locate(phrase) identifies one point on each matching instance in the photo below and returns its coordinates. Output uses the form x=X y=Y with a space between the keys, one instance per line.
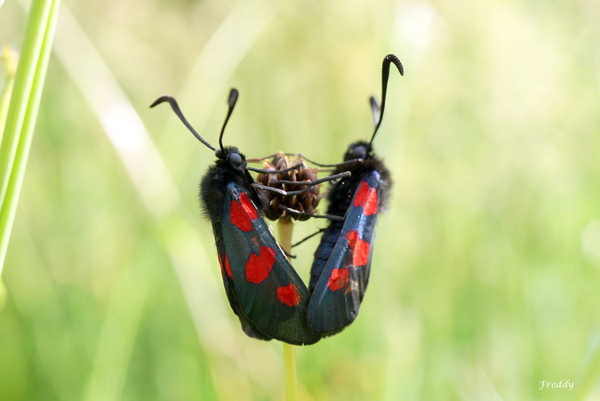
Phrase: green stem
x=291 y=378
x=285 y=229
x=22 y=112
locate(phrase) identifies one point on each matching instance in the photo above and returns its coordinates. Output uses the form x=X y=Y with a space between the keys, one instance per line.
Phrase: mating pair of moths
x=263 y=288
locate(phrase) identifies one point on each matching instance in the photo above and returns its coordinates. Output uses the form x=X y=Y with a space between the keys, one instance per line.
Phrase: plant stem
x=291 y=379
x=22 y=111
x=285 y=229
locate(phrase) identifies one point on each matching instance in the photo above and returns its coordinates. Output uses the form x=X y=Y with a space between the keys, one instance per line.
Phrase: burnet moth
x=340 y=271
x=262 y=287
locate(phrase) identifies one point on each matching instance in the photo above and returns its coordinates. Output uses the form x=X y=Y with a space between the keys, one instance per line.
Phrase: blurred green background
x=485 y=272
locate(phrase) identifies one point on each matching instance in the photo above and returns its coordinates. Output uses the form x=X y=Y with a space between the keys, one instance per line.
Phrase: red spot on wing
x=359 y=248
x=338 y=279
x=288 y=295
x=225 y=266
x=242 y=212
x=258 y=267
x=367 y=198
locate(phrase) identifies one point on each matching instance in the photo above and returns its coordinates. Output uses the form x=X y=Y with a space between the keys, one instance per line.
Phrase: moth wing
x=339 y=291
x=268 y=291
x=249 y=328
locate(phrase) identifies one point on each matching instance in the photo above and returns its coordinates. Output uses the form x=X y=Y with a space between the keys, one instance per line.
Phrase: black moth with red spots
x=340 y=271
x=262 y=287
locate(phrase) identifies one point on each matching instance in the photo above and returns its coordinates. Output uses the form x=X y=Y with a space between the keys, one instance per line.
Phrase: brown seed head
x=305 y=202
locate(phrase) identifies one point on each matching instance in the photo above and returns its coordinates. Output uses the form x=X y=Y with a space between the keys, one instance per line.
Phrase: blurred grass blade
x=227 y=47
x=156 y=188
x=117 y=336
x=22 y=111
x=121 y=122
x=589 y=377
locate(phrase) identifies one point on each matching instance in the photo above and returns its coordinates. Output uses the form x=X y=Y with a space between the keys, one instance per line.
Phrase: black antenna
x=375 y=110
x=385 y=74
x=179 y=114
x=231 y=101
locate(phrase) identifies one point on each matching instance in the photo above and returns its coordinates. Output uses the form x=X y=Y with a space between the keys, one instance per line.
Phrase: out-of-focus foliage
x=486 y=265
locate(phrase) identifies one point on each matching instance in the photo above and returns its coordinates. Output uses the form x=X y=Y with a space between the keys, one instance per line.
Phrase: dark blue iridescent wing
x=341 y=285
x=266 y=289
